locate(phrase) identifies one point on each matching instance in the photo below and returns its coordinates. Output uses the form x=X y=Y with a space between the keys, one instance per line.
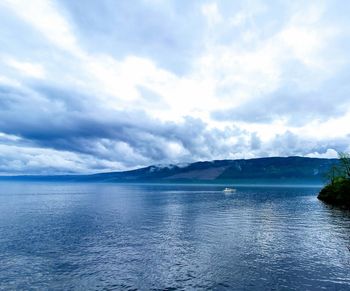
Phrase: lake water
x=170 y=237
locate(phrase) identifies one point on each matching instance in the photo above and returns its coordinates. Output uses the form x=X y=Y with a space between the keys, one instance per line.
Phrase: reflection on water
x=105 y=236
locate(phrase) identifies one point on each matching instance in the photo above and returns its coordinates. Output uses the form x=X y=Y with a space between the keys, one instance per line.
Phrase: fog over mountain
x=96 y=86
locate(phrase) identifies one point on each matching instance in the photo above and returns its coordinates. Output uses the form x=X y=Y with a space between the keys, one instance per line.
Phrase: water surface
x=127 y=237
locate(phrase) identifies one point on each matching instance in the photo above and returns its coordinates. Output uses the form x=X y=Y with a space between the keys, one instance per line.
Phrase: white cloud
x=8 y=137
x=329 y=154
x=19 y=159
x=27 y=68
x=212 y=13
x=245 y=54
x=44 y=16
x=332 y=128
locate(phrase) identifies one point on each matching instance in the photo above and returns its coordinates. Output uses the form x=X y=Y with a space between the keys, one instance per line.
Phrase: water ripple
x=168 y=237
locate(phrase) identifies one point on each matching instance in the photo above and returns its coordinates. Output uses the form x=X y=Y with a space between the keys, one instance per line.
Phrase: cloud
x=330 y=153
x=212 y=13
x=292 y=144
x=44 y=16
x=295 y=107
x=113 y=85
x=16 y=160
x=26 y=68
x=151 y=29
x=132 y=138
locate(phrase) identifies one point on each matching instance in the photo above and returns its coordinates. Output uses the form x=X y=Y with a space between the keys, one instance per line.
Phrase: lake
x=170 y=237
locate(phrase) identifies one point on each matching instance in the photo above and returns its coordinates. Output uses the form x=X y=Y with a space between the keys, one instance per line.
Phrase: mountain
x=259 y=170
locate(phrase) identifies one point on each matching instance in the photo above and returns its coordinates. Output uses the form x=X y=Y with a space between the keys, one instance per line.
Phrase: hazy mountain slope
x=291 y=168
x=282 y=169
x=278 y=168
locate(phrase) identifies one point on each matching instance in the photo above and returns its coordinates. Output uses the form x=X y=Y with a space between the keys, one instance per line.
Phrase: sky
x=95 y=86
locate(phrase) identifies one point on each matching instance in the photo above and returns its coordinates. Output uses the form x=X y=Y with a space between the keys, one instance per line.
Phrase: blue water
x=170 y=237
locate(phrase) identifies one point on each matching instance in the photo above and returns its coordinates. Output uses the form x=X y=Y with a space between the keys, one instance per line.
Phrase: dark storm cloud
x=55 y=119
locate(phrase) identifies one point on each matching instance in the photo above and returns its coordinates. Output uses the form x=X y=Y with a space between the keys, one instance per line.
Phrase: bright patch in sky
x=92 y=86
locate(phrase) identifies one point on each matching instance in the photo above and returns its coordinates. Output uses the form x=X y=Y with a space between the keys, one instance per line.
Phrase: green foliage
x=337 y=192
x=345 y=163
x=341 y=171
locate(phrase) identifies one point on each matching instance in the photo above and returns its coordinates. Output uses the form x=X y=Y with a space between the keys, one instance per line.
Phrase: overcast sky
x=99 y=85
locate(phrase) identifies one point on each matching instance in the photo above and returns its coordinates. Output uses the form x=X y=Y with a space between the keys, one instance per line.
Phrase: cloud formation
x=113 y=85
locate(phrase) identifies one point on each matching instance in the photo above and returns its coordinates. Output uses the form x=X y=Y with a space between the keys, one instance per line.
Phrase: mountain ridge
x=281 y=169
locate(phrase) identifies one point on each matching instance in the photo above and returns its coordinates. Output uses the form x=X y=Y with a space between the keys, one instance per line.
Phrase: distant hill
x=260 y=170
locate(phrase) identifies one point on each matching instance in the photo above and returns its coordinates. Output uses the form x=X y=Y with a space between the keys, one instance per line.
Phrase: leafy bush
x=337 y=192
